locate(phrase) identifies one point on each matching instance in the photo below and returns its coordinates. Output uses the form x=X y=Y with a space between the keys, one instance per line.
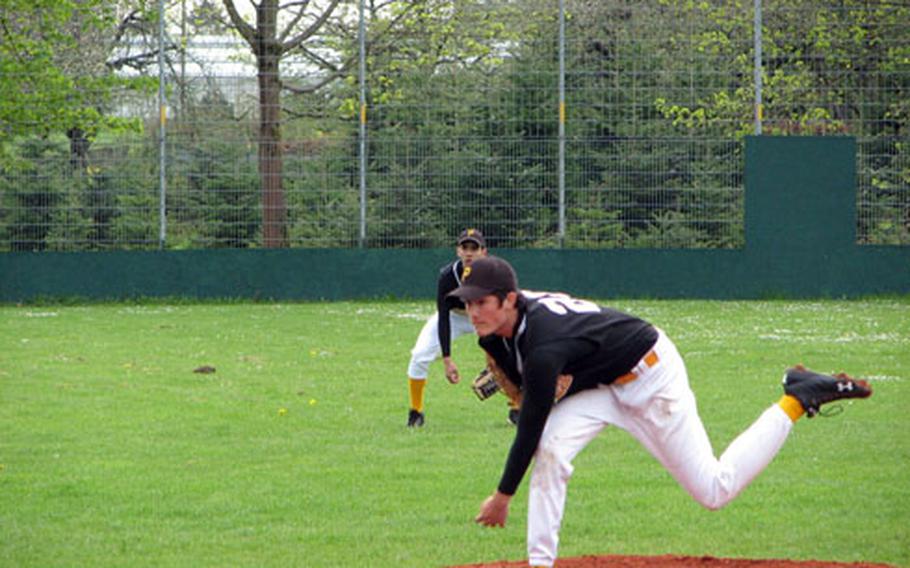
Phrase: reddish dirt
x=670 y=561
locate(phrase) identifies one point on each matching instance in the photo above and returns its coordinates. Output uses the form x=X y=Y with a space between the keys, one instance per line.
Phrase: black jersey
x=449 y=279
x=557 y=334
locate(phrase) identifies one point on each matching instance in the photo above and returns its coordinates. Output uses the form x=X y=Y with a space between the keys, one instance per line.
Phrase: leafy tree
x=433 y=166
x=657 y=179
x=31 y=190
x=52 y=59
x=462 y=120
x=57 y=81
x=828 y=69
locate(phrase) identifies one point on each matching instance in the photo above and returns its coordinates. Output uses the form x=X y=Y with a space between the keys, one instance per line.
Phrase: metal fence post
x=363 y=131
x=562 y=123
x=162 y=134
x=757 y=66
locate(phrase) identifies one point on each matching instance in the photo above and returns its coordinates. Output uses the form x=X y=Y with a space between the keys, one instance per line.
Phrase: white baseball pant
x=659 y=410
x=427 y=347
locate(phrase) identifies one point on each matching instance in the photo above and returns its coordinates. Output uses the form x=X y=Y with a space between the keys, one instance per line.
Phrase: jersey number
x=561 y=304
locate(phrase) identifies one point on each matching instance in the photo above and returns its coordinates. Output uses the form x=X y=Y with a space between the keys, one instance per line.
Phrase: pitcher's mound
x=671 y=561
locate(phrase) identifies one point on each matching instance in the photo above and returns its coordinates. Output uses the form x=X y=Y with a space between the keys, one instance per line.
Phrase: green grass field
x=113 y=452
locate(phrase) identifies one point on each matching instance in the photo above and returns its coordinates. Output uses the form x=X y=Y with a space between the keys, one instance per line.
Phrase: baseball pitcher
x=580 y=367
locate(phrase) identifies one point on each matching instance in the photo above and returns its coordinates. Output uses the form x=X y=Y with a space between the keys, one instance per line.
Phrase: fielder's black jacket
x=557 y=334
x=449 y=279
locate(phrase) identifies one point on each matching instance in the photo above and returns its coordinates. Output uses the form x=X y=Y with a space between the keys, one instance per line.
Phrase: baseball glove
x=492 y=380
x=484 y=384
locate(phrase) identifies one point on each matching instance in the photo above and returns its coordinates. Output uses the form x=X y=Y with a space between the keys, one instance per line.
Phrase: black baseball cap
x=472 y=236
x=485 y=276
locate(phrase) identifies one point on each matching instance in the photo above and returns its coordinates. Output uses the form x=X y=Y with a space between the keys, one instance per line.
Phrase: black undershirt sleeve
x=445 y=285
x=444 y=328
x=540 y=372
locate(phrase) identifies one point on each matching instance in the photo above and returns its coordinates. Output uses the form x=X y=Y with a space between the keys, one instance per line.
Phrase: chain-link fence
x=577 y=124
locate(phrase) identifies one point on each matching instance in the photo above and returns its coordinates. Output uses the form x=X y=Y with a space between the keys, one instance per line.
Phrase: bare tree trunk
x=269 y=46
x=274 y=207
x=268 y=55
x=79 y=145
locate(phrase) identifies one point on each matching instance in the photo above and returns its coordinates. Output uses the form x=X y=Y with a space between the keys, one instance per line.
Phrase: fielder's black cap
x=472 y=236
x=485 y=276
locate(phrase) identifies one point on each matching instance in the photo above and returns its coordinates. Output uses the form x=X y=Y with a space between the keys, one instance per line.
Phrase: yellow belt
x=650 y=359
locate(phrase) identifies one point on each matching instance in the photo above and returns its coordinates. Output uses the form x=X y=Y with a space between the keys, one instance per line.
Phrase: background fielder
x=449 y=322
x=624 y=372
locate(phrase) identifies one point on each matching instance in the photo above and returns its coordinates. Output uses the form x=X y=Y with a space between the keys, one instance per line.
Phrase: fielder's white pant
x=427 y=347
x=659 y=410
